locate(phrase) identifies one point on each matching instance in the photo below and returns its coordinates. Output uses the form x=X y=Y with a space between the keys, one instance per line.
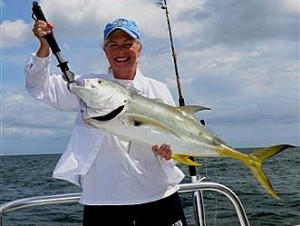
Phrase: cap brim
x=132 y=34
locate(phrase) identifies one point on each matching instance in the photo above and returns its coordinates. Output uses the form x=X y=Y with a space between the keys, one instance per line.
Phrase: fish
x=126 y=113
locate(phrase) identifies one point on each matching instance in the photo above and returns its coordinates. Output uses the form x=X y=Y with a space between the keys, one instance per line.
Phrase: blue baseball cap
x=129 y=26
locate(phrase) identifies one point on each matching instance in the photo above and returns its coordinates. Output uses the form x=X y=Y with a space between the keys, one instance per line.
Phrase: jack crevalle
x=123 y=112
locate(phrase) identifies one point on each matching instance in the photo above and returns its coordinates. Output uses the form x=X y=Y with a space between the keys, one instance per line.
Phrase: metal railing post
x=198 y=203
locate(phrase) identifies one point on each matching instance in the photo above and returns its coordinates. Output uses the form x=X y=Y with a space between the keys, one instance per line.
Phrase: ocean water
x=30 y=175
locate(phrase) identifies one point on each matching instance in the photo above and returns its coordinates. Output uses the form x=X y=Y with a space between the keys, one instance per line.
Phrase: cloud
x=14 y=33
x=24 y=117
x=236 y=22
x=246 y=77
x=29 y=126
x=89 y=17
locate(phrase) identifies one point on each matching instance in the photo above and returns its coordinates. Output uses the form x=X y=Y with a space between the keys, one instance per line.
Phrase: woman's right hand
x=164 y=151
x=40 y=29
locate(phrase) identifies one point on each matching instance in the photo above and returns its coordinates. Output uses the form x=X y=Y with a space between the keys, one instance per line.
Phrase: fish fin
x=263 y=180
x=185 y=160
x=265 y=153
x=254 y=163
x=192 y=109
x=139 y=120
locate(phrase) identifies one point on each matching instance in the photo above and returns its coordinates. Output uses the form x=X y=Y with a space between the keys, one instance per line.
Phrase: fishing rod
x=164 y=6
x=192 y=169
x=37 y=14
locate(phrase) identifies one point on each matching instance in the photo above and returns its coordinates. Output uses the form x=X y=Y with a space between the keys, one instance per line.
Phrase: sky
x=240 y=58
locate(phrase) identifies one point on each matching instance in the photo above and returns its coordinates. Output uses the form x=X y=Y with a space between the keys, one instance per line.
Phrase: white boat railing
x=184 y=188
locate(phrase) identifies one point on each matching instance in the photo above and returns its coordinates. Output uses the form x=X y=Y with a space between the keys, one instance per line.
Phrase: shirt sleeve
x=50 y=89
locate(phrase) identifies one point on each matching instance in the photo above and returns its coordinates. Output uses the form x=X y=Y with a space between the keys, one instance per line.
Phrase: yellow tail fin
x=255 y=161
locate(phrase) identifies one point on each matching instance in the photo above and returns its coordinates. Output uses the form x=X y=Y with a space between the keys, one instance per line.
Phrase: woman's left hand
x=164 y=151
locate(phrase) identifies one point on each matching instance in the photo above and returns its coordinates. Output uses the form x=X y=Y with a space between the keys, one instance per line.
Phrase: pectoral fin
x=185 y=160
x=140 y=120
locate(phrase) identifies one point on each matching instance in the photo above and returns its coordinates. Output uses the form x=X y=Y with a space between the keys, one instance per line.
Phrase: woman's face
x=122 y=52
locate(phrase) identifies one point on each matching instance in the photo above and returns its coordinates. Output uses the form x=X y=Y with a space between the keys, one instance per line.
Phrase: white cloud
x=23 y=116
x=14 y=33
x=82 y=18
x=292 y=6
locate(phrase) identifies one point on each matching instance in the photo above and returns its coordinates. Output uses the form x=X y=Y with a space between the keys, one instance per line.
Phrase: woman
x=123 y=182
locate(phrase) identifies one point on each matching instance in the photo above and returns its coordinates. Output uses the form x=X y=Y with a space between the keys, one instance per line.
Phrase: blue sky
x=240 y=58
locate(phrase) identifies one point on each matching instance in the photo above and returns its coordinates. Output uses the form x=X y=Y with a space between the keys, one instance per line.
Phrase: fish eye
x=99 y=81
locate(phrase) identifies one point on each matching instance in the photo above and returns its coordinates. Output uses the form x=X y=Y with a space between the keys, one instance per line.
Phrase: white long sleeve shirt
x=109 y=170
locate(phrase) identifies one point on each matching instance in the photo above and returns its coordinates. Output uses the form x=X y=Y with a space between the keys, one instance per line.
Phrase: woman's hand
x=40 y=29
x=164 y=151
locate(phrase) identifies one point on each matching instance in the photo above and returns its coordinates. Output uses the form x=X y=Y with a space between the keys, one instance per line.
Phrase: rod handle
x=37 y=14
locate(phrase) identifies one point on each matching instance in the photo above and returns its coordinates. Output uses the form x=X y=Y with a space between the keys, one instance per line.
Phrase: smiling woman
x=122 y=52
x=143 y=178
